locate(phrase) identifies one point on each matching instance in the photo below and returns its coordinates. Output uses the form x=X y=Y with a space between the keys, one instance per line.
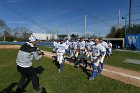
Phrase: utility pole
x=124 y=18
x=47 y=35
x=130 y=12
x=57 y=32
x=4 y=36
x=66 y=30
x=85 y=25
x=119 y=19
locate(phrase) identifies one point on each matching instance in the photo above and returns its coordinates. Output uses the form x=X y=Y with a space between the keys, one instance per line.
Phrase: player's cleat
x=76 y=66
x=39 y=90
x=59 y=70
x=91 y=78
x=70 y=60
x=110 y=57
x=98 y=73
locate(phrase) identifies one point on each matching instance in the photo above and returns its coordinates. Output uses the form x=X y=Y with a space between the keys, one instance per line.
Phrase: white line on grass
x=122 y=74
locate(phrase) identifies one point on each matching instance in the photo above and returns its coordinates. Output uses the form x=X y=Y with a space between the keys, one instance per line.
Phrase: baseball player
x=76 y=52
x=60 y=53
x=55 y=47
x=92 y=42
x=81 y=47
x=73 y=51
x=109 y=49
x=86 y=55
x=54 y=44
x=96 y=56
x=67 y=47
x=105 y=45
x=87 y=52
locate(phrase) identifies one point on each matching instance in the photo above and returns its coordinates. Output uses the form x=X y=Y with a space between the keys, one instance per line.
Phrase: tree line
x=16 y=34
x=121 y=32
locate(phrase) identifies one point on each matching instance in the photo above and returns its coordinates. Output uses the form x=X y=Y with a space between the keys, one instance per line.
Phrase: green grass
x=45 y=48
x=71 y=80
x=118 y=58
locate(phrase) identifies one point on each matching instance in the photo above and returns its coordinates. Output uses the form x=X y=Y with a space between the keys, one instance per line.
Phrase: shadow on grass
x=9 y=89
x=55 y=61
x=85 y=70
x=68 y=59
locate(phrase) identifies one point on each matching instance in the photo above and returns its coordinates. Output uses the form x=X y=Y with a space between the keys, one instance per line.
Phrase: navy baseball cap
x=61 y=39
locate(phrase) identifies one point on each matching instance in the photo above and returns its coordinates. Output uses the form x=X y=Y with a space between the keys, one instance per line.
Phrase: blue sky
x=46 y=16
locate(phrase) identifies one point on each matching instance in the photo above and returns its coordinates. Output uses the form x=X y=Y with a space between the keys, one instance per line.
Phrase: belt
x=60 y=52
x=95 y=56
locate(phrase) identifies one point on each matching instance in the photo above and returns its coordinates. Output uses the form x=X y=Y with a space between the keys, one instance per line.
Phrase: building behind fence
x=42 y=36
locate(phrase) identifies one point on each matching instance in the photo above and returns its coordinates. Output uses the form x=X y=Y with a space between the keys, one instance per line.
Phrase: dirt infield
x=120 y=74
x=10 y=46
x=123 y=75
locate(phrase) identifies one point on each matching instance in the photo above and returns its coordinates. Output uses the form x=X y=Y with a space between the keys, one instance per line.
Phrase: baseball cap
x=32 y=39
x=61 y=39
x=100 y=38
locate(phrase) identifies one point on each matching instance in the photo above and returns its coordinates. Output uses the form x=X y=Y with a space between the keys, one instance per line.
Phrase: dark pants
x=28 y=74
x=85 y=62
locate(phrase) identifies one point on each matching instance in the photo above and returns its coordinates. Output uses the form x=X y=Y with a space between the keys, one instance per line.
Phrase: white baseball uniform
x=60 y=52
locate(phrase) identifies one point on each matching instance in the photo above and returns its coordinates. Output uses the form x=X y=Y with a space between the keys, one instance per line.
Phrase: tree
x=21 y=33
x=62 y=36
x=120 y=33
x=93 y=36
x=5 y=31
x=73 y=36
x=8 y=34
x=135 y=29
x=2 y=24
x=112 y=33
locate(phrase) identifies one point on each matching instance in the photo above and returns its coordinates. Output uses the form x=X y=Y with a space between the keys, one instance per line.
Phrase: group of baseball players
x=83 y=52
x=86 y=53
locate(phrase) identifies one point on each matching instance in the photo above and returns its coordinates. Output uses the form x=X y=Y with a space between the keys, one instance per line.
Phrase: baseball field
x=71 y=80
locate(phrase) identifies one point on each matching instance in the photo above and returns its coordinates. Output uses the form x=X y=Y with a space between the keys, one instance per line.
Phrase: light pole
x=85 y=25
x=124 y=18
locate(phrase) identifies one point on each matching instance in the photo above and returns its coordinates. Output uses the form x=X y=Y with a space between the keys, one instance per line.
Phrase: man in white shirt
x=67 y=43
x=60 y=53
x=96 y=55
x=87 y=52
x=81 y=47
x=104 y=44
x=73 y=51
x=54 y=45
x=109 y=52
